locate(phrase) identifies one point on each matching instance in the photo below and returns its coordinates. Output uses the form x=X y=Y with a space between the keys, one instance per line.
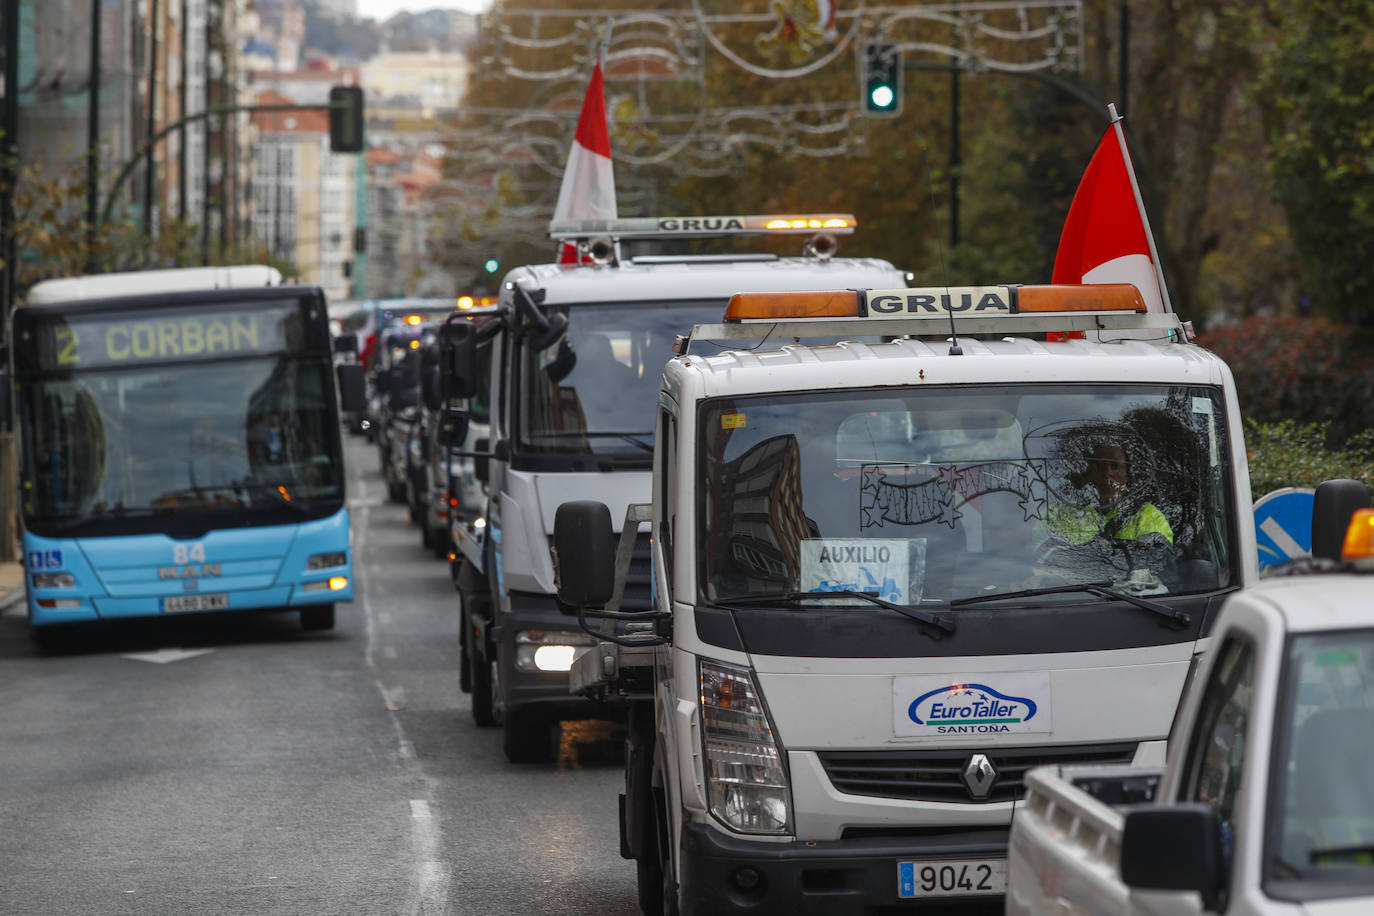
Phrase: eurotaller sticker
x=981 y=705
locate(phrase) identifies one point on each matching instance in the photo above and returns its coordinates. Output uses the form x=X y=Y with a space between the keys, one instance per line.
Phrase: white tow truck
x=1266 y=803
x=571 y=368
x=878 y=597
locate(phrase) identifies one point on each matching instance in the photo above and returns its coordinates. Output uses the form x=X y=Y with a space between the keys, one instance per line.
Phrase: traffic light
x=492 y=265
x=345 y=119
x=882 y=79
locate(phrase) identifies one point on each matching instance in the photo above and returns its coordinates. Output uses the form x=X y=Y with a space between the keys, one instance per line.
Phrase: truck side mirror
x=457 y=360
x=452 y=430
x=480 y=463
x=1333 y=504
x=429 y=387
x=1174 y=848
x=584 y=549
x=352 y=387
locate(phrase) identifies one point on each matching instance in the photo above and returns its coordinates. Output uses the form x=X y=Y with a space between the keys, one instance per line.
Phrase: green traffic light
x=882 y=97
x=491 y=265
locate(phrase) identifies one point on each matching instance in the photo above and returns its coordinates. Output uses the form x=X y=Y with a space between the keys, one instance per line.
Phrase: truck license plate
x=963 y=878
x=195 y=603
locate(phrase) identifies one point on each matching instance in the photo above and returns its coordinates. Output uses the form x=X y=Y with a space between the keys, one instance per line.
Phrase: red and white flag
x=1107 y=236
x=588 y=189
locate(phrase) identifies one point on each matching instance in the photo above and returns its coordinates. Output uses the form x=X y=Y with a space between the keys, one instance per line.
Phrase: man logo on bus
x=969 y=709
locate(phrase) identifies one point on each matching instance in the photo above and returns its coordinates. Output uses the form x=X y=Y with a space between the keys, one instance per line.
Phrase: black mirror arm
x=622 y=615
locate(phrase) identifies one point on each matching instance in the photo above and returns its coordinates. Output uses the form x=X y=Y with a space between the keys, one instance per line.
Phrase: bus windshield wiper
x=1101 y=589
x=920 y=616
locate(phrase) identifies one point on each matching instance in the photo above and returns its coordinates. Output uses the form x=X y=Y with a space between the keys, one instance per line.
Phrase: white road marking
x=1291 y=548
x=429 y=879
x=164 y=656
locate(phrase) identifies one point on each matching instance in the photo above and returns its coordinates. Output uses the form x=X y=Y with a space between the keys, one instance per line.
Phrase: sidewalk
x=11 y=585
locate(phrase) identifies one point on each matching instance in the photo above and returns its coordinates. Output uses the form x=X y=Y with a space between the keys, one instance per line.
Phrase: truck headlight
x=326 y=560
x=54 y=580
x=550 y=650
x=745 y=780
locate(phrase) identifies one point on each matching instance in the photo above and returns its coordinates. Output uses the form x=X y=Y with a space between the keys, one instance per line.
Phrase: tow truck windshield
x=944 y=494
x=596 y=390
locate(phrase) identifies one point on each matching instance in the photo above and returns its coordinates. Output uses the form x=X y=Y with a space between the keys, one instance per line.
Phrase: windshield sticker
x=886 y=498
x=890 y=569
x=732 y=421
x=975 y=704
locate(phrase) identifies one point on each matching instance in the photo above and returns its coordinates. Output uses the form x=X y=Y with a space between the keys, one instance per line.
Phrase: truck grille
x=938 y=775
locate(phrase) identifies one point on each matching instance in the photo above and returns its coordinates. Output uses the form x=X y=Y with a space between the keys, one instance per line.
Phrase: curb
x=13 y=597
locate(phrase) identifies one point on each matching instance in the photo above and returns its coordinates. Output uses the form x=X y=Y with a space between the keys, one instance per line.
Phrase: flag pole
x=1140 y=204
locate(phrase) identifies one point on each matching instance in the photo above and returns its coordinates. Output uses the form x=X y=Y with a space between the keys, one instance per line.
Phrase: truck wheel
x=426 y=534
x=320 y=617
x=657 y=889
x=528 y=738
x=465 y=660
x=482 y=710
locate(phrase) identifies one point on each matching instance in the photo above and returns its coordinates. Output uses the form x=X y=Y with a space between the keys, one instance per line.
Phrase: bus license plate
x=963 y=878
x=195 y=603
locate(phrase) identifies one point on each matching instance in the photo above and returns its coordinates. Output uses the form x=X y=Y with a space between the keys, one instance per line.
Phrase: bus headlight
x=550 y=650
x=54 y=580
x=326 y=560
x=746 y=783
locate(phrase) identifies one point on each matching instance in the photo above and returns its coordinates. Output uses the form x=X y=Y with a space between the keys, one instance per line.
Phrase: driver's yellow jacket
x=1080 y=524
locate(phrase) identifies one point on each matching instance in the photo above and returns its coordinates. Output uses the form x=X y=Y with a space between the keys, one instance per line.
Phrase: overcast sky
x=385 y=9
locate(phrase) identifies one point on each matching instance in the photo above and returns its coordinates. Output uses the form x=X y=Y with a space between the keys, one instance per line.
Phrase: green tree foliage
x=1292 y=454
x=1319 y=119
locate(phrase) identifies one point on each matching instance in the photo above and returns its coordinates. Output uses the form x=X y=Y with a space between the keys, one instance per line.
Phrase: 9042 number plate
x=963 y=878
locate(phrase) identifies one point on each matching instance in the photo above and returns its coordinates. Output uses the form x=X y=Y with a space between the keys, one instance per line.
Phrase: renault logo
x=979 y=775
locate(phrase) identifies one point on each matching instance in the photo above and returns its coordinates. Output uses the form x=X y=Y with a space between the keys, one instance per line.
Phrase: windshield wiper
x=916 y=614
x=1101 y=589
x=635 y=439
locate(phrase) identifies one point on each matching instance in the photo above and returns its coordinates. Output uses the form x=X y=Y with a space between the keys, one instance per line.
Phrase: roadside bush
x=1304 y=369
x=1292 y=454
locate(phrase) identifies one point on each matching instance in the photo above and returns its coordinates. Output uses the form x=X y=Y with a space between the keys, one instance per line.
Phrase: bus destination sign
x=103 y=340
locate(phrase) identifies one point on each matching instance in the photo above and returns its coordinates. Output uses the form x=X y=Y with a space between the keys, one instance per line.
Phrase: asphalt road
x=239 y=765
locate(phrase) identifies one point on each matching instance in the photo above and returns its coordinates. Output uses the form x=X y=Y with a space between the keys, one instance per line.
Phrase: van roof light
x=1359 y=538
x=670 y=227
x=822 y=304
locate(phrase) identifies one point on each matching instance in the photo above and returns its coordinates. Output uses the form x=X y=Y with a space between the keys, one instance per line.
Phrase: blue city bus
x=180 y=453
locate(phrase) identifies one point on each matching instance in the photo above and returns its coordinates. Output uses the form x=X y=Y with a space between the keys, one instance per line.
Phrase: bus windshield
x=176 y=413
x=116 y=443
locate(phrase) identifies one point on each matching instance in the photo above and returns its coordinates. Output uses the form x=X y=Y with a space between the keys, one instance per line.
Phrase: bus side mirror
x=1332 y=505
x=352 y=387
x=452 y=430
x=457 y=360
x=584 y=548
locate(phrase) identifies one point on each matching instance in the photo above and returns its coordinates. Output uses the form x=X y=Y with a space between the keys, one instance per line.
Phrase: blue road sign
x=1283 y=525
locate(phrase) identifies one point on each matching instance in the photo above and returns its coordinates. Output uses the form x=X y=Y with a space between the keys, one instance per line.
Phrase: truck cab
x=1264 y=805
x=573 y=370
x=893 y=574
